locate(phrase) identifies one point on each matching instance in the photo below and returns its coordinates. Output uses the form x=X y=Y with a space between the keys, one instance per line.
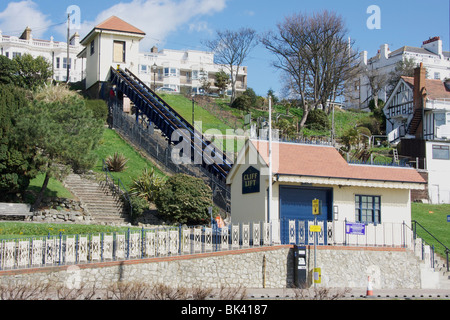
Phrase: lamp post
x=154 y=75
x=192 y=110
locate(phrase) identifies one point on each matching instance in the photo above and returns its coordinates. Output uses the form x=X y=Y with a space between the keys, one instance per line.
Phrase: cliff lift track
x=168 y=120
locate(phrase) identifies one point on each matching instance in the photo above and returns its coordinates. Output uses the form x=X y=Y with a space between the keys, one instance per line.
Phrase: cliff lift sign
x=250 y=181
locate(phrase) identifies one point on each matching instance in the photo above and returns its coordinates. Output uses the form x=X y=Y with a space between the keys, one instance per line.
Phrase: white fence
x=172 y=241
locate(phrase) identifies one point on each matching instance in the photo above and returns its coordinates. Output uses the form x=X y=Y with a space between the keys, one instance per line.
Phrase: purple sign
x=355 y=228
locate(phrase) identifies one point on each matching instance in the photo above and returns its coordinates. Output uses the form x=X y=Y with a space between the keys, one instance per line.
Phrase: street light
x=154 y=75
x=193 y=109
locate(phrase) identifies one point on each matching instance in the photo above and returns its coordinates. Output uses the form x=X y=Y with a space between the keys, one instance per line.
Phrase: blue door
x=296 y=204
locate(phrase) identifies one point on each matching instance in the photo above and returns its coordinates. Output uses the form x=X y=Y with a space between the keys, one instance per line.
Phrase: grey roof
x=412 y=50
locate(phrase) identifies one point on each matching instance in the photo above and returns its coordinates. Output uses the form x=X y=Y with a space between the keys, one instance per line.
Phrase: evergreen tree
x=64 y=133
x=32 y=72
x=17 y=163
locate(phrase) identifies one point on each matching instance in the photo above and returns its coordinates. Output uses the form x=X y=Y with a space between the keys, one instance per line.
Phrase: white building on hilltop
x=178 y=69
x=116 y=42
x=54 y=52
x=430 y=54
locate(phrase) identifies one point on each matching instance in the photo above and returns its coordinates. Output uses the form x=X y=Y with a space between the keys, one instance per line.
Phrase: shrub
x=117 y=162
x=139 y=205
x=184 y=199
x=243 y=102
x=317 y=120
x=147 y=185
x=99 y=108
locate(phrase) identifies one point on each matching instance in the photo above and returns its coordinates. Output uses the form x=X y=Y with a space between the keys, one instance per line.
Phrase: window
x=367 y=209
x=17 y=54
x=437 y=76
x=92 y=47
x=65 y=63
x=58 y=60
x=119 y=51
x=170 y=72
x=441 y=152
x=143 y=68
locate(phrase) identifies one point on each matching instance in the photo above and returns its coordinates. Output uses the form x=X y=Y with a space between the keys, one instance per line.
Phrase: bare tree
x=230 y=49
x=316 y=55
x=377 y=82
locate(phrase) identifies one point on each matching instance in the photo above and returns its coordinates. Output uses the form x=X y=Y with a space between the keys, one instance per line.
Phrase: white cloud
x=19 y=15
x=159 y=18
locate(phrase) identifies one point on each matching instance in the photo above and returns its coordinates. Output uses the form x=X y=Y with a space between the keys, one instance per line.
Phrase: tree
x=184 y=199
x=17 y=160
x=230 y=49
x=402 y=68
x=221 y=81
x=377 y=82
x=315 y=56
x=62 y=131
x=8 y=70
x=32 y=72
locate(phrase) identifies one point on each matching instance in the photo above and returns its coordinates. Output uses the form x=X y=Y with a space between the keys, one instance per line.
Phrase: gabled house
x=109 y=44
x=418 y=118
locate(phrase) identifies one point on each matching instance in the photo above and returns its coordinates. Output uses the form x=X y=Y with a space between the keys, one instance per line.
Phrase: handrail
x=185 y=125
x=119 y=189
x=447 y=250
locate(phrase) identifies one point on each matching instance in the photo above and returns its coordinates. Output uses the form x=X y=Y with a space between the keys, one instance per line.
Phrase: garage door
x=296 y=205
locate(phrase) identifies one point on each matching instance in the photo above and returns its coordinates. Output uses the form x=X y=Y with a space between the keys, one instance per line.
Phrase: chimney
x=26 y=35
x=363 y=57
x=434 y=45
x=154 y=49
x=384 y=50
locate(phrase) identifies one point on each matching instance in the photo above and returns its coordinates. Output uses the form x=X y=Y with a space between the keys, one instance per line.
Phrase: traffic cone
x=369 y=292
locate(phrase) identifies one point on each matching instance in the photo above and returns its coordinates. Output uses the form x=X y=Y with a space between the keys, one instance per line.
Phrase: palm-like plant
x=147 y=185
x=117 y=162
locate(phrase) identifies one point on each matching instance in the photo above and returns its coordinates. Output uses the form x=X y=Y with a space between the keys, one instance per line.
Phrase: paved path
x=351 y=293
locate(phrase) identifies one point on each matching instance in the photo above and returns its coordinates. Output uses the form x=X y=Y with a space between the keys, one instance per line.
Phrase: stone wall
x=269 y=267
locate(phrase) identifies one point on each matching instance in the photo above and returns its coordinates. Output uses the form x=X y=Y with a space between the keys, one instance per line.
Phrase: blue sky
x=184 y=24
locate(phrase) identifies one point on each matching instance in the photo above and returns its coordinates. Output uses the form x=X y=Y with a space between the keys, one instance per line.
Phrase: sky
x=187 y=24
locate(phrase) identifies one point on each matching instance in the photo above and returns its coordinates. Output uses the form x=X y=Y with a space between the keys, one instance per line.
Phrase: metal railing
x=157 y=147
x=57 y=250
x=144 y=243
x=446 y=250
x=118 y=189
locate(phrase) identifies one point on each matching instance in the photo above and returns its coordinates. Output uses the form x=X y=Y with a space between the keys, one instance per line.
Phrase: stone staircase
x=440 y=266
x=97 y=199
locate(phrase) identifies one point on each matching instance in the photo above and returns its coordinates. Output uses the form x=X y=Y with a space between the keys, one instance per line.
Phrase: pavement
x=348 y=294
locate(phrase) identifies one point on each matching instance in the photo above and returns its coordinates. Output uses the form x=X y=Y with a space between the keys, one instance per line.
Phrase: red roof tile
x=435 y=88
x=116 y=24
x=325 y=161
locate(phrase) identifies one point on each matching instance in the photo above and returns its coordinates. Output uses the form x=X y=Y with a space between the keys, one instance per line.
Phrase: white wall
x=438 y=175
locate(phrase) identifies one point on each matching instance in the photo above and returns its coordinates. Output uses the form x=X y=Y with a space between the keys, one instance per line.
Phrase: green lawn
x=111 y=143
x=54 y=189
x=183 y=106
x=12 y=230
x=434 y=219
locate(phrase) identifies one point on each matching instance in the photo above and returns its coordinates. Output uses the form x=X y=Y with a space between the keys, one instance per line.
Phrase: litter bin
x=300 y=279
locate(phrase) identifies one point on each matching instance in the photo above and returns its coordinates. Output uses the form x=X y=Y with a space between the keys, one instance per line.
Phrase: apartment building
x=55 y=52
x=178 y=70
x=430 y=54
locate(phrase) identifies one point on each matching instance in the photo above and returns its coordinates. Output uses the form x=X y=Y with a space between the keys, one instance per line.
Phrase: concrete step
x=98 y=199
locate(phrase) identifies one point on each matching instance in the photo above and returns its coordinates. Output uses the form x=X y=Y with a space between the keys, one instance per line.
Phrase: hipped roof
x=326 y=162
